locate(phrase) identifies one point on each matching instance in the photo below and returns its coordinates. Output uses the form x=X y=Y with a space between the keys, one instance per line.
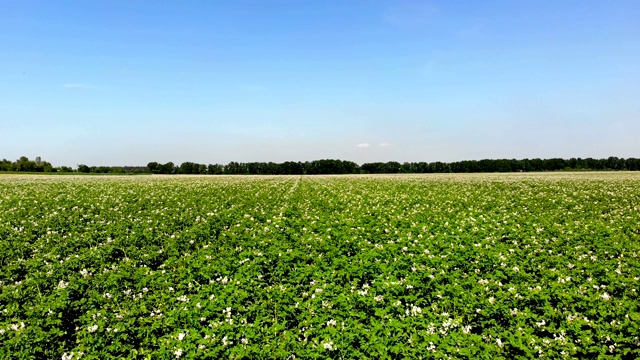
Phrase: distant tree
x=84 y=168
x=47 y=167
x=185 y=168
x=392 y=167
x=154 y=167
x=215 y=169
x=101 y=169
x=232 y=168
x=23 y=164
x=168 y=168
x=614 y=163
x=6 y=165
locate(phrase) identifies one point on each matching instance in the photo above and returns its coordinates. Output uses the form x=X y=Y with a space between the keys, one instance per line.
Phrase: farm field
x=313 y=267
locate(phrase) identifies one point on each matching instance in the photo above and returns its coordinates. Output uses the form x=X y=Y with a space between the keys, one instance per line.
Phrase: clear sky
x=129 y=82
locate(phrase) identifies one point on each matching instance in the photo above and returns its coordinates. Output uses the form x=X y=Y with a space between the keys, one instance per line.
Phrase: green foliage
x=390 y=267
x=25 y=165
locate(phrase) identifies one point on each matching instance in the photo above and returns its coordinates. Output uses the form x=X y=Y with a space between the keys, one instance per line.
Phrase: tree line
x=315 y=167
x=330 y=166
x=393 y=167
x=25 y=165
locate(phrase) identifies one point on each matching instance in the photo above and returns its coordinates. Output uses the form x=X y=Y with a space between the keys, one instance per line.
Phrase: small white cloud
x=384 y=145
x=80 y=86
x=363 y=145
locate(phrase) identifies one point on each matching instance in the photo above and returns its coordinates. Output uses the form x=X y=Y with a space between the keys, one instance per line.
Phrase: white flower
x=63 y=285
x=541 y=323
x=379 y=298
x=183 y=298
x=178 y=353
x=415 y=310
x=331 y=323
x=605 y=296
x=244 y=341
x=492 y=300
x=84 y=273
x=328 y=345
x=516 y=269
x=92 y=328
x=72 y=355
x=107 y=295
x=499 y=342
x=225 y=342
x=181 y=336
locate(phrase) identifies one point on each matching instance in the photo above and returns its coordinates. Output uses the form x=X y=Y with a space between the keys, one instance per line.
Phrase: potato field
x=447 y=266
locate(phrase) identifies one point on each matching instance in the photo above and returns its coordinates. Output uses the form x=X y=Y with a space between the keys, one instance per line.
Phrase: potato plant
x=345 y=267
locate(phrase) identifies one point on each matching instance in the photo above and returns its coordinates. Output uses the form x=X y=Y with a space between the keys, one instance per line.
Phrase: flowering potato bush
x=418 y=266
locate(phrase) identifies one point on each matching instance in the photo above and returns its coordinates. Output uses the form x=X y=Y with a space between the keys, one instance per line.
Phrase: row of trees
x=504 y=165
x=337 y=167
x=392 y=167
x=113 y=169
x=24 y=164
x=259 y=168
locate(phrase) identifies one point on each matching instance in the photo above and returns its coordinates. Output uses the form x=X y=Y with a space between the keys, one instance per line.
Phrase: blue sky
x=129 y=82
